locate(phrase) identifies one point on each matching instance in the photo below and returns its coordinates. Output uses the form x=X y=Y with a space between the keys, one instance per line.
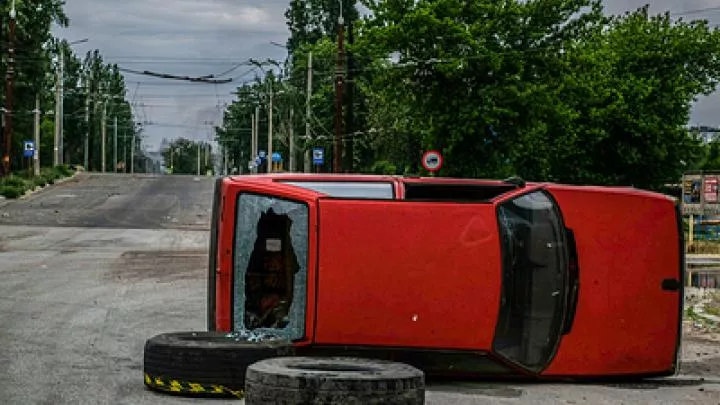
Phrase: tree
x=32 y=66
x=181 y=156
x=552 y=90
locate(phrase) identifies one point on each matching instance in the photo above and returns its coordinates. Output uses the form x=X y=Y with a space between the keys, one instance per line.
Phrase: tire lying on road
x=203 y=363
x=335 y=380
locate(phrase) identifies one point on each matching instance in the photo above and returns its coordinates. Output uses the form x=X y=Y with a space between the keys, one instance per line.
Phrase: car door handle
x=670 y=284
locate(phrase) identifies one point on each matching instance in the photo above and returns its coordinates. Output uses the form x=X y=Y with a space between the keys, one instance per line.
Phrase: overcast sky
x=198 y=37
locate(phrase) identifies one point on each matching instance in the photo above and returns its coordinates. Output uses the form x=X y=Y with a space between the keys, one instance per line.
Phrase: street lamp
x=59 y=103
x=270 y=111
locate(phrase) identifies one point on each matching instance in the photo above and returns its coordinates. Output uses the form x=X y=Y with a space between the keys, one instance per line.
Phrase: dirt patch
x=5 y=239
x=162 y=266
x=708 y=367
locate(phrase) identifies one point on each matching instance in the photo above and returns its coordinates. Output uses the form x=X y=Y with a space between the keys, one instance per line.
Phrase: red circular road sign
x=432 y=160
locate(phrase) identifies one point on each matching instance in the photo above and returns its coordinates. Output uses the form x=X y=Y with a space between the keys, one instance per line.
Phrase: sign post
x=28 y=153
x=277 y=161
x=318 y=157
x=432 y=161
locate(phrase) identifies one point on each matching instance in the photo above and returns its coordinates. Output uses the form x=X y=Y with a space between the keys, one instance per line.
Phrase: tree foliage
x=181 y=157
x=551 y=90
x=36 y=70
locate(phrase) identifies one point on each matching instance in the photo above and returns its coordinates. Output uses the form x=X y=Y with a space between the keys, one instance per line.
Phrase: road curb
x=39 y=189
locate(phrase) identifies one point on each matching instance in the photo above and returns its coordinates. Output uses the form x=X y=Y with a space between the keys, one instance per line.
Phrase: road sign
x=276 y=157
x=262 y=154
x=432 y=160
x=258 y=161
x=28 y=149
x=318 y=156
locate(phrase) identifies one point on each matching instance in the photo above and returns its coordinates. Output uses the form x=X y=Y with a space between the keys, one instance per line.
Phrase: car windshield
x=534 y=260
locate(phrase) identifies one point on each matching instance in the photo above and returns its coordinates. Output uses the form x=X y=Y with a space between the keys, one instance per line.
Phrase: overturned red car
x=454 y=276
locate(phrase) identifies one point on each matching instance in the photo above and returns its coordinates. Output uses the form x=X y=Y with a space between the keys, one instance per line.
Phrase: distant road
x=117 y=201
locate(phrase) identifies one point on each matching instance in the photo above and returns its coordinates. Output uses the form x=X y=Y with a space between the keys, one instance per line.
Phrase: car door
x=630 y=264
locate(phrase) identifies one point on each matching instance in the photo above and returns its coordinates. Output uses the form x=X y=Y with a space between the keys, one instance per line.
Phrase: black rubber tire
x=203 y=363
x=333 y=380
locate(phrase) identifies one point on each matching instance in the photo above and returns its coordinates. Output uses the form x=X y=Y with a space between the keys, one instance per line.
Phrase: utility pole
x=337 y=153
x=270 y=132
x=349 y=116
x=291 y=141
x=252 y=138
x=198 y=159
x=36 y=155
x=103 y=134
x=86 y=141
x=225 y=160
x=58 y=107
x=132 y=154
x=115 y=161
x=125 y=151
x=257 y=131
x=61 y=133
x=9 y=95
x=308 y=113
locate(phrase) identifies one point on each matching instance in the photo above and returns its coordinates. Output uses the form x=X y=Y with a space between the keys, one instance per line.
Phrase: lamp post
x=337 y=152
x=60 y=103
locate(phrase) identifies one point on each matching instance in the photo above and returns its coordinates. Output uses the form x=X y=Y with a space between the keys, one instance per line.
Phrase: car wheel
x=204 y=363
x=335 y=380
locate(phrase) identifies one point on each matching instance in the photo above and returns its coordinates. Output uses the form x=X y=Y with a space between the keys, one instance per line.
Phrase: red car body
x=458 y=276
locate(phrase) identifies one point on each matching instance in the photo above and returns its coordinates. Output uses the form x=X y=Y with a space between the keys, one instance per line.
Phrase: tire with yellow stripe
x=203 y=363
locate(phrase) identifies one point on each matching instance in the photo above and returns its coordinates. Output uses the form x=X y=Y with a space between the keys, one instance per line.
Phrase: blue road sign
x=262 y=154
x=258 y=161
x=276 y=157
x=28 y=149
x=318 y=156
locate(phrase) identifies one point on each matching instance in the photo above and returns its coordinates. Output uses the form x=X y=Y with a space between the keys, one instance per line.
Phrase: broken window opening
x=455 y=192
x=270 y=274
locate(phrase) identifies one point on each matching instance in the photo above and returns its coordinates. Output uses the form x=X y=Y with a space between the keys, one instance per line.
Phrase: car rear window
x=349 y=189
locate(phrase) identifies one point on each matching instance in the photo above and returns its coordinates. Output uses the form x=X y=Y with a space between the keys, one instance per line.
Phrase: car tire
x=333 y=380
x=204 y=363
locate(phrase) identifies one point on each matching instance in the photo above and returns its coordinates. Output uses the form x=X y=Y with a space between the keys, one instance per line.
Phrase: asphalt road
x=117 y=201
x=93 y=267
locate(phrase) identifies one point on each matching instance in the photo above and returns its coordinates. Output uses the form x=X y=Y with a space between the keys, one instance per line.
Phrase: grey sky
x=197 y=37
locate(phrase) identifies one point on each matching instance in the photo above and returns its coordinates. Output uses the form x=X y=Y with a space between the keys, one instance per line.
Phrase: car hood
x=408 y=274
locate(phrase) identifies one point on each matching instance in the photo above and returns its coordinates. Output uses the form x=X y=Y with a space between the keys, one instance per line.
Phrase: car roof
x=345 y=177
x=362 y=178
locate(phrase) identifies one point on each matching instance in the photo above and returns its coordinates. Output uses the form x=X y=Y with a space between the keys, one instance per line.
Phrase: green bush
x=12 y=191
x=16 y=185
x=50 y=174
x=64 y=171
x=39 y=181
x=14 y=181
x=383 y=167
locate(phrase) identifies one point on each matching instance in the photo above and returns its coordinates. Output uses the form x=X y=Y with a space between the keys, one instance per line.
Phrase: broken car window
x=270 y=266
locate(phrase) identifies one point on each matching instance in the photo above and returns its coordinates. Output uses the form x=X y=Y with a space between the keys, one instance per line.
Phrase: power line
x=697 y=11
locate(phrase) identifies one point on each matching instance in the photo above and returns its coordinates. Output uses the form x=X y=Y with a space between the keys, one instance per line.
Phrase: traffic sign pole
x=432 y=161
